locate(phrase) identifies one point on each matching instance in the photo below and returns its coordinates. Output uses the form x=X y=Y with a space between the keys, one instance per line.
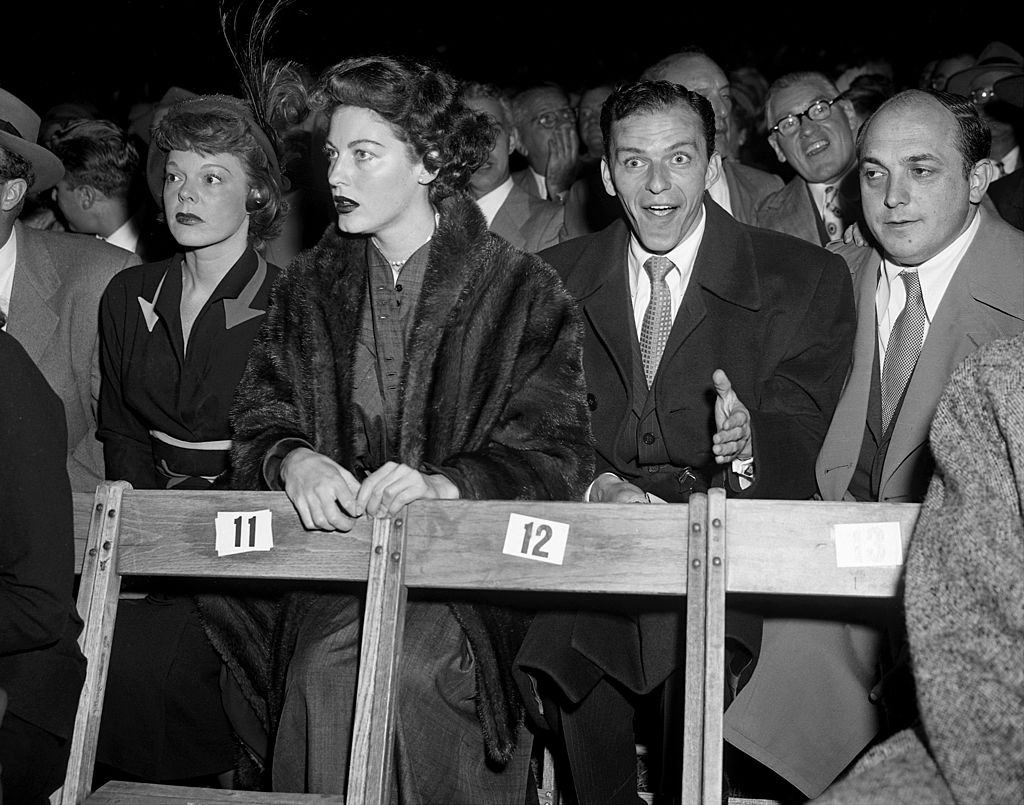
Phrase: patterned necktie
x=658 y=317
x=904 y=346
x=832 y=213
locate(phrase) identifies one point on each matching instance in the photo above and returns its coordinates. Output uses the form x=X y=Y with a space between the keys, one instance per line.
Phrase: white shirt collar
x=491 y=202
x=8 y=260
x=1010 y=160
x=683 y=256
x=127 y=235
x=719 y=191
x=542 y=185
x=934 y=274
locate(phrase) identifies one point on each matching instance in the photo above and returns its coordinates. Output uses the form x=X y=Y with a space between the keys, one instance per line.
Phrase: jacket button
x=591 y=402
x=649 y=438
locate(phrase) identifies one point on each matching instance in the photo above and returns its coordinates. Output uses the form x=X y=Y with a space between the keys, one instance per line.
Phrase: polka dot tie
x=832 y=213
x=657 y=318
x=904 y=346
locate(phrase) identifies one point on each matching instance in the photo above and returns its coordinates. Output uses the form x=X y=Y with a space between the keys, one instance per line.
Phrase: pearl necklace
x=400 y=263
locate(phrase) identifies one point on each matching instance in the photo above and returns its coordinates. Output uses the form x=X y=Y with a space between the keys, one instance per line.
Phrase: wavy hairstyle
x=222 y=124
x=424 y=108
x=646 y=96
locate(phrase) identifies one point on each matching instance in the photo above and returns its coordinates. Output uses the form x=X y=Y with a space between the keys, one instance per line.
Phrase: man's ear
x=87 y=195
x=513 y=140
x=521 y=144
x=979 y=179
x=12 y=192
x=851 y=114
x=773 y=139
x=606 y=177
x=714 y=170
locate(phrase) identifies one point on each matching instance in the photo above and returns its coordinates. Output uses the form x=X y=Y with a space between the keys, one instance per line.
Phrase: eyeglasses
x=551 y=119
x=982 y=95
x=819 y=110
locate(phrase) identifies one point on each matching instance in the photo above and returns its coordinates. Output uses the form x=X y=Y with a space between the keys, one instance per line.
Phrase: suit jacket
x=41 y=666
x=810 y=735
x=58 y=281
x=984 y=301
x=748 y=187
x=777 y=315
x=1007 y=194
x=529 y=222
x=791 y=209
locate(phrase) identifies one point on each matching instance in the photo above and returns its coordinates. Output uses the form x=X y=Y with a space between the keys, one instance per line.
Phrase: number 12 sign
x=537 y=539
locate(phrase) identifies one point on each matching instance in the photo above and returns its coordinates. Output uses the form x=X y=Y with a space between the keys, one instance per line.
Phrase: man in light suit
x=923 y=174
x=756 y=329
x=50 y=286
x=526 y=221
x=811 y=128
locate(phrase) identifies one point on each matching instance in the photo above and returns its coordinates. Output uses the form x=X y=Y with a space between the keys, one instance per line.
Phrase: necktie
x=658 y=317
x=904 y=346
x=832 y=213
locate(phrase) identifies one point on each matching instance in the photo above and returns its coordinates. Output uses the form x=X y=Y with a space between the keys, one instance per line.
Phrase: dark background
x=115 y=52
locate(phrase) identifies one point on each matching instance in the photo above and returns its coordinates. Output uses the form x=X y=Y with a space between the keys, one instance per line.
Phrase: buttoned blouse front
x=152 y=383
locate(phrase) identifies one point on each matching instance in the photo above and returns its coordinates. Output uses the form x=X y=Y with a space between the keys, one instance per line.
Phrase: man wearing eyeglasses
x=811 y=129
x=546 y=124
x=944 y=277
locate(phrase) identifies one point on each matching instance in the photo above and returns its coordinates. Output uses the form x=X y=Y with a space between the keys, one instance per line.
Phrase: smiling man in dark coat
x=755 y=330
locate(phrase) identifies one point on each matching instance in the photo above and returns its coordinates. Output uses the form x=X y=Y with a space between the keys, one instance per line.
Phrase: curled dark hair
x=424 y=108
x=645 y=96
x=973 y=137
x=14 y=166
x=221 y=124
x=97 y=153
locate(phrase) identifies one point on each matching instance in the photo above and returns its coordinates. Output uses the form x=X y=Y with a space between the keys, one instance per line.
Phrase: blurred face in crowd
x=377 y=185
x=495 y=170
x=916 y=198
x=204 y=199
x=589 y=119
x=1002 y=117
x=819 y=150
x=658 y=167
x=546 y=111
x=700 y=74
x=944 y=68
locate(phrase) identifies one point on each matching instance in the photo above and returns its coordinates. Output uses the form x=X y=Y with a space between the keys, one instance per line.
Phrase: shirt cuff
x=586 y=495
x=744 y=469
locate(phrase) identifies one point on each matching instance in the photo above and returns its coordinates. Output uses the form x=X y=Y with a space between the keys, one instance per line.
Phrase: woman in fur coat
x=410 y=355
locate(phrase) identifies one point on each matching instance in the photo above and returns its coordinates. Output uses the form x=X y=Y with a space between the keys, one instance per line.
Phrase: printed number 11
x=543 y=531
x=252 y=532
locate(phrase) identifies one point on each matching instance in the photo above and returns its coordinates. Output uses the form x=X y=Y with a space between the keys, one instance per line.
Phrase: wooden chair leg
x=693 y=697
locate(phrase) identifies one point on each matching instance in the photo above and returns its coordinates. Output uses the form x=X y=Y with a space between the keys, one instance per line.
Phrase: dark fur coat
x=493 y=397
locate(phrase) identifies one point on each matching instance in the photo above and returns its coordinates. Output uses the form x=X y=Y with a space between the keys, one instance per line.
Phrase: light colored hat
x=19 y=130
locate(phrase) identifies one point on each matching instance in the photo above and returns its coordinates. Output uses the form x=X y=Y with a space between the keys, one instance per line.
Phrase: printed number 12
x=252 y=532
x=543 y=531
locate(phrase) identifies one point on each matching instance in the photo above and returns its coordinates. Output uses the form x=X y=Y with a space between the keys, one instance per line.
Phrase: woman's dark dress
x=163 y=421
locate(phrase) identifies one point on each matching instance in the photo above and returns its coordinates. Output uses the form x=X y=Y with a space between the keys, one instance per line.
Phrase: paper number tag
x=241 y=532
x=533 y=538
x=868 y=544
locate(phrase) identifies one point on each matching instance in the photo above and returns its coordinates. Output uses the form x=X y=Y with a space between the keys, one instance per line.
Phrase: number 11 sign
x=537 y=539
x=240 y=532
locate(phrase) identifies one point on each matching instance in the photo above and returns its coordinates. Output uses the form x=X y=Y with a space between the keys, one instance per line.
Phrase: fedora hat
x=1011 y=89
x=995 y=56
x=19 y=129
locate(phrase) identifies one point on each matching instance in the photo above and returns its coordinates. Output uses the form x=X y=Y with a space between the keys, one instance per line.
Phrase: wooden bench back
x=774 y=547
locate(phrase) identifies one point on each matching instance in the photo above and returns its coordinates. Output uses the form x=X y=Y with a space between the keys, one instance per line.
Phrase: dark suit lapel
x=724 y=267
x=36 y=281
